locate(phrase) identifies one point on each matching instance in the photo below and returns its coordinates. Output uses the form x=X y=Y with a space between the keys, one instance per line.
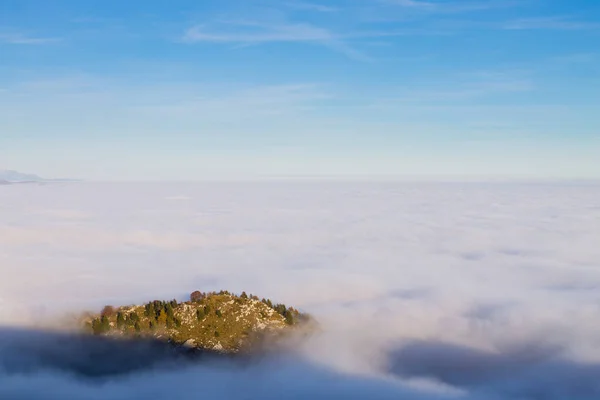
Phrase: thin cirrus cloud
x=239 y=34
x=451 y=6
x=306 y=6
x=550 y=23
x=27 y=40
x=255 y=33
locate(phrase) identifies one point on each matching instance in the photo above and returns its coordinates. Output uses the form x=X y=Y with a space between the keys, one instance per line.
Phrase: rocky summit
x=213 y=321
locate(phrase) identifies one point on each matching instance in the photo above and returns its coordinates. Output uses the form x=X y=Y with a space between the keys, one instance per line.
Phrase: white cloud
x=486 y=266
x=254 y=33
x=550 y=23
x=306 y=6
x=460 y=6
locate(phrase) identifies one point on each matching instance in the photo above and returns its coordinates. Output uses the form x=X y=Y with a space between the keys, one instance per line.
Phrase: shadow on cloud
x=50 y=365
x=525 y=371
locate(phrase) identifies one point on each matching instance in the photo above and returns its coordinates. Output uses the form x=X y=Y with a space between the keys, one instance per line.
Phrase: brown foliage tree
x=196 y=296
x=108 y=311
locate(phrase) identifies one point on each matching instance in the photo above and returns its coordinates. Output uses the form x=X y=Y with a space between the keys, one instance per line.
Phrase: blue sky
x=244 y=89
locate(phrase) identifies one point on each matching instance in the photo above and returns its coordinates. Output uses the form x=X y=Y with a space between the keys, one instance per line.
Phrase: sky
x=232 y=89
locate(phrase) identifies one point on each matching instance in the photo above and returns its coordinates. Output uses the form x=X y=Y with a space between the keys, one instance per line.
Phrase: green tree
x=244 y=295
x=169 y=310
x=137 y=327
x=200 y=314
x=170 y=322
x=280 y=308
x=289 y=318
x=97 y=326
x=134 y=317
x=162 y=317
x=218 y=313
x=105 y=324
x=120 y=320
x=149 y=310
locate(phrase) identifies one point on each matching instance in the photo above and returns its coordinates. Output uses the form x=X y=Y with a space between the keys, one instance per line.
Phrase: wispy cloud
x=452 y=6
x=259 y=33
x=412 y=3
x=302 y=5
x=24 y=39
x=550 y=23
x=254 y=33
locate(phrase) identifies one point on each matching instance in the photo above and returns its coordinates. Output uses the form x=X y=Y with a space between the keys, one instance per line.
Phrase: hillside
x=218 y=321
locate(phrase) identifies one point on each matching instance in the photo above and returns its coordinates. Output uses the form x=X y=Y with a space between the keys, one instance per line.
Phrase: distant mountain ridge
x=15 y=176
x=10 y=176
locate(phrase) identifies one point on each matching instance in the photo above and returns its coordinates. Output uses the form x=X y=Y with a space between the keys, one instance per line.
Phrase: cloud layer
x=411 y=282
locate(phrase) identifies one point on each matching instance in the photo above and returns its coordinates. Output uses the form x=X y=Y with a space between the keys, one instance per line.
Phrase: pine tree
x=105 y=324
x=134 y=317
x=149 y=310
x=218 y=313
x=244 y=295
x=200 y=314
x=137 y=327
x=97 y=326
x=120 y=320
x=162 y=317
x=169 y=310
x=289 y=318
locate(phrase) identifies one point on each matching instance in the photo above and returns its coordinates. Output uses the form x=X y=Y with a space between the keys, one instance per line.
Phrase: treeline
x=158 y=313
x=162 y=313
x=290 y=314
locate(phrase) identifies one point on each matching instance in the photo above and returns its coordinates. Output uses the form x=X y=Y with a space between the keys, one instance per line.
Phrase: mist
x=421 y=290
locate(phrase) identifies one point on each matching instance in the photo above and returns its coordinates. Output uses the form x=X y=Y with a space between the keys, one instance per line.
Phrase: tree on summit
x=108 y=311
x=196 y=296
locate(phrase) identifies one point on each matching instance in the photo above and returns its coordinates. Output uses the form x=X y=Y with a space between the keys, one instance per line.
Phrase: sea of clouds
x=422 y=290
